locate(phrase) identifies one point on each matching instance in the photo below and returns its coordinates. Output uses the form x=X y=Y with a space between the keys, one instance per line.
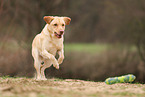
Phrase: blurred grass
x=96 y=47
x=86 y=47
x=91 y=48
x=11 y=45
x=73 y=47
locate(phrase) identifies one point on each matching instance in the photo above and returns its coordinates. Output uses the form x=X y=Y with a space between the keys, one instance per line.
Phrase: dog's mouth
x=58 y=35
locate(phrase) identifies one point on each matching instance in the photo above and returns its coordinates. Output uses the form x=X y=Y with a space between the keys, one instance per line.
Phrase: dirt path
x=26 y=87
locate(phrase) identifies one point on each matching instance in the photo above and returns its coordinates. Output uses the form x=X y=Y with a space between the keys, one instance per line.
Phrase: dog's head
x=57 y=24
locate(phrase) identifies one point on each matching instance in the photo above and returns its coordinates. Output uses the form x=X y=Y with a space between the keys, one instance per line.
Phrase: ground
x=29 y=87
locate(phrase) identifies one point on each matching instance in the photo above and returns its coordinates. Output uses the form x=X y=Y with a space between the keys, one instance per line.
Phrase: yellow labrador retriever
x=49 y=42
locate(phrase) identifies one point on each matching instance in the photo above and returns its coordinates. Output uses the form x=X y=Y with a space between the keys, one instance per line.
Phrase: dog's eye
x=62 y=24
x=55 y=24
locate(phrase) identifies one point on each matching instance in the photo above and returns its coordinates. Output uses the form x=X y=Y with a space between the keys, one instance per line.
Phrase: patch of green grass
x=9 y=96
x=89 y=48
x=5 y=77
x=143 y=89
x=14 y=46
x=96 y=47
x=128 y=94
x=15 y=77
x=41 y=95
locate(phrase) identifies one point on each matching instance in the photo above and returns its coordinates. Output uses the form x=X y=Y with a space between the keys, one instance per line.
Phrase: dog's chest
x=53 y=46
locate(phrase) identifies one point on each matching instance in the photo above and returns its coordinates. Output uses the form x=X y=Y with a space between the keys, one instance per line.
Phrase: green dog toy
x=121 y=79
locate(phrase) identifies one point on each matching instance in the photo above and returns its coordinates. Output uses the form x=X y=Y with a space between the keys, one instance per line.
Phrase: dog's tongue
x=58 y=36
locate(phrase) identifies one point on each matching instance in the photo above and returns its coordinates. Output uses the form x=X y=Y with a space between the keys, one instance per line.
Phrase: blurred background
x=106 y=38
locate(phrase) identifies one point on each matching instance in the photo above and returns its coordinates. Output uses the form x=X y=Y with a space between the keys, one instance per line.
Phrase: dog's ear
x=67 y=20
x=48 y=19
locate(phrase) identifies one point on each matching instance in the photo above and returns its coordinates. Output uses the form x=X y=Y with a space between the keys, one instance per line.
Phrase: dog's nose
x=61 y=32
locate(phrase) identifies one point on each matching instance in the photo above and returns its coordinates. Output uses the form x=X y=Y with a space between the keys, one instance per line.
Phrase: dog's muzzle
x=58 y=35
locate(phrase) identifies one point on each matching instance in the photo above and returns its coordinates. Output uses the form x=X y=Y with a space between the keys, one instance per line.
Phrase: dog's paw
x=60 y=60
x=56 y=66
x=38 y=79
x=43 y=78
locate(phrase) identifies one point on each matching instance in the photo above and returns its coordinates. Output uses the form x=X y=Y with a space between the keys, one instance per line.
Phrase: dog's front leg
x=61 y=56
x=47 y=55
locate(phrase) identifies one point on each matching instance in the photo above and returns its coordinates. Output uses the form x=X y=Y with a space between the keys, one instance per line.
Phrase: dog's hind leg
x=37 y=65
x=37 y=62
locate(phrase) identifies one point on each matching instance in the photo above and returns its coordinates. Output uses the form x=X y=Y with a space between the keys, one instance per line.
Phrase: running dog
x=49 y=42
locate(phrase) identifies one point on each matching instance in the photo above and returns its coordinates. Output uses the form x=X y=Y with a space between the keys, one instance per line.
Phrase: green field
x=88 y=48
x=96 y=47
x=70 y=47
x=78 y=47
